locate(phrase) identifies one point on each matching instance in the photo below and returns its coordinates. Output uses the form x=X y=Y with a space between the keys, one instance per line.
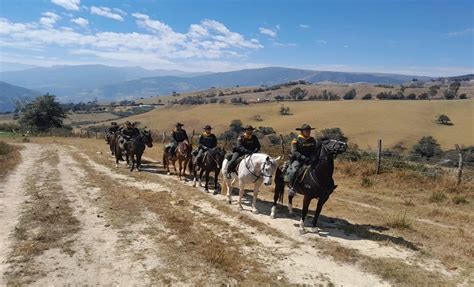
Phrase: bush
x=367 y=97
x=334 y=134
x=443 y=120
x=350 y=95
x=284 y=111
x=411 y=96
x=427 y=147
x=462 y=96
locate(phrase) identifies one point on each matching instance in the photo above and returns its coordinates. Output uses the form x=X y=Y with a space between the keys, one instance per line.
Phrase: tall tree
x=43 y=113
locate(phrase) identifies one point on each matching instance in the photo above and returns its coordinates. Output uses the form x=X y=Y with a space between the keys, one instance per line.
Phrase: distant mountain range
x=85 y=82
x=9 y=93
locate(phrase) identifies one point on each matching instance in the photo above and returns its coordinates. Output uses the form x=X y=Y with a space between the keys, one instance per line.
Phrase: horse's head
x=146 y=137
x=184 y=148
x=269 y=167
x=333 y=147
x=218 y=154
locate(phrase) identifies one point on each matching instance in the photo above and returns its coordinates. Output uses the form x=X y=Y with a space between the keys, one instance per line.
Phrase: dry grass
x=449 y=238
x=9 y=158
x=46 y=222
x=364 y=122
x=190 y=243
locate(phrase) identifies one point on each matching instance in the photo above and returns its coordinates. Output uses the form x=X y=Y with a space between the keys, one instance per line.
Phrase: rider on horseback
x=207 y=141
x=114 y=127
x=304 y=151
x=246 y=144
x=128 y=133
x=178 y=135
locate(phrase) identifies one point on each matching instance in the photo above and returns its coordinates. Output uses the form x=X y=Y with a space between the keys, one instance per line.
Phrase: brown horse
x=183 y=156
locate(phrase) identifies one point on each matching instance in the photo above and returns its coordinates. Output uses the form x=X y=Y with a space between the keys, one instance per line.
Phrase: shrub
x=443 y=120
x=334 y=134
x=427 y=147
x=462 y=96
x=437 y=197
x=350 y=95
x=367 y=97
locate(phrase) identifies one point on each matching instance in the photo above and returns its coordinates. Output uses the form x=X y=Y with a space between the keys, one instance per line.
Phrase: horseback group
x=308 y=171
x=128 y=141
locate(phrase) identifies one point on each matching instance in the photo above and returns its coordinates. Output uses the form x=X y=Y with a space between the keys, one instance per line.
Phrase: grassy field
x=396 y=122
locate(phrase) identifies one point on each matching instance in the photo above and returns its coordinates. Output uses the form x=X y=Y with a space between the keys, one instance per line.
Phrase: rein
x=257 y=177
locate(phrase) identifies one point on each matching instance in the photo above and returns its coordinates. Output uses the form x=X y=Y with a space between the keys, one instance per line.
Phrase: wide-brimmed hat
x=207 y=127
x=248 y=127
x=179 y=124
x=305 y=127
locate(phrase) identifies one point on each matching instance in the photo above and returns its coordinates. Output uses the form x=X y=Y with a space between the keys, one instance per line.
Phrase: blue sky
x=433 y=38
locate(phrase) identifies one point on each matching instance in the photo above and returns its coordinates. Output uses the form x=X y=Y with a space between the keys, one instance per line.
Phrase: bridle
x=262 y=173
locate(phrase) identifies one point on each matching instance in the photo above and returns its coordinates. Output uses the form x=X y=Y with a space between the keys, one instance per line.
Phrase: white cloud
x=68 y=4
x=279 y=44
x=204 y=41
x=120 y=11
x=465 y=32
x=105 y=12
x=49 y=19
x=304 y=26
x=80 y=21
x=268 y=32
x=322 y=42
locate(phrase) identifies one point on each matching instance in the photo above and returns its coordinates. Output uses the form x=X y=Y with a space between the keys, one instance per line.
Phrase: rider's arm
x=294 y=151
x=257 y=143
x=214 y=141
x=240 y=147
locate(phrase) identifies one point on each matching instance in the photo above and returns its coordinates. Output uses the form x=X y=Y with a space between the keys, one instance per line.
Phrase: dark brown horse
x=136 y=147
x=314 y=181
x=111 y=139
x=211 y=161
x=183 y=156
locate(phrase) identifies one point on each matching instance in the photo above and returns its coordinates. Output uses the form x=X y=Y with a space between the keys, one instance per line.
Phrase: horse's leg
x=304 y=212
x=207 y=181
x=139 y=160
x=290 y=205
x=194 y=175
x=255 y=197
x=278 y=191
x=241 y=193
x=319 y=207
x=216 y=184
x=132 y=159
x=201 y=171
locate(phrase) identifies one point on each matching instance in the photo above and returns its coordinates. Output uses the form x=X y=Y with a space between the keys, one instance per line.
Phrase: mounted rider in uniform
x=305 y=150
x=247 y=143
x=177 y=135
x=207 y=141
x=114 y=127
x=127 y=133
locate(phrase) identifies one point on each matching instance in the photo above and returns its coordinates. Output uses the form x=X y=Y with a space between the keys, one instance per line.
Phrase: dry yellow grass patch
x=364 y=122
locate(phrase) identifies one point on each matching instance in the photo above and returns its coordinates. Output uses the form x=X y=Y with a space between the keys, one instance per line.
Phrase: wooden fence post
x=379 y=156
x=282 y=145
x=164 y=137
x=460 y=164
x=96 y=135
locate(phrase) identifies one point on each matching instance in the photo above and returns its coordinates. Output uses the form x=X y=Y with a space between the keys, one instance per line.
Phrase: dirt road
x=70 y=219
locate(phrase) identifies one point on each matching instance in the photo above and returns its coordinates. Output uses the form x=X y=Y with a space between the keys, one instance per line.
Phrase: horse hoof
x=272 y=216
x=315 y=229
x=302 y=231
x=254 y=211
x=206 y=190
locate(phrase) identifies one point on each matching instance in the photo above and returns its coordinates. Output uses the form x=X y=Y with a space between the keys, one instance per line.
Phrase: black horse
x=314 y=181
x=111 y=139
x=133 y=149
x=211 y=161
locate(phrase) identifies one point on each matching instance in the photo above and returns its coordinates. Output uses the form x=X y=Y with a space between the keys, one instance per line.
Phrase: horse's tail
x=279 y=184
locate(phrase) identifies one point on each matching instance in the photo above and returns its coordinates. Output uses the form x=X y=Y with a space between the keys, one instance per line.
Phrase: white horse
x=256 y=168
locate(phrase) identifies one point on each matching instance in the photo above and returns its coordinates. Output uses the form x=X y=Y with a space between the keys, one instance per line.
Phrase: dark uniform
x=114 y=128
x=245 y=145
x=127 y=133
x=178 y=135
x=304 y=150
x=207 y=141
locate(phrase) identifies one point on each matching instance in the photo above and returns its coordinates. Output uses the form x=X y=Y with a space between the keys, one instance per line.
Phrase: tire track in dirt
x=302 y=264
x=99 y=258
x=11 y=197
